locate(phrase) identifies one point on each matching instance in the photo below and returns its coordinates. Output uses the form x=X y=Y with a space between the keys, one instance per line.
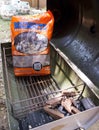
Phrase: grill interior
x=30 y=93
x=27 y=96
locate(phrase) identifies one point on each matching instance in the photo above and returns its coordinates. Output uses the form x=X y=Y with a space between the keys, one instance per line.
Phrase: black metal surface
x=77 y=34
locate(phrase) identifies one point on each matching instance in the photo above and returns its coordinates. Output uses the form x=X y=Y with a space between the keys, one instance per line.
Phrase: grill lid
x=76 y=33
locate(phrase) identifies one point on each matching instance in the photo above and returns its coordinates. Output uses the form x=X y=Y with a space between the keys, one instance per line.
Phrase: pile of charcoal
x=65 y=105
x=56 y=108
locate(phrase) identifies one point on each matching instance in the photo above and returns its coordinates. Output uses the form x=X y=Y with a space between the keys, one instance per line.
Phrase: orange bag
x=30 y=43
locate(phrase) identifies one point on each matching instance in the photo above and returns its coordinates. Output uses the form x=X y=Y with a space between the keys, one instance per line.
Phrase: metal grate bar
x=50 y=87
x=43 y=89
x=34 y=89
x=23 y=93
x=40 y=87
x=28 y=87
x=37 y=88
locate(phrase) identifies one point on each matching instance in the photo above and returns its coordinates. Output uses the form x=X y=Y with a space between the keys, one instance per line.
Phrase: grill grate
x=29 y=94
x=36 y=91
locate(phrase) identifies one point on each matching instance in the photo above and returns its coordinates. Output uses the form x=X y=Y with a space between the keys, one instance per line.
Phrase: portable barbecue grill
x=74 y=67
x=26 y=96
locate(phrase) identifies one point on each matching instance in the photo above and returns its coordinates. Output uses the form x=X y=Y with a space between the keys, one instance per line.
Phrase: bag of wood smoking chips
x=30 y=43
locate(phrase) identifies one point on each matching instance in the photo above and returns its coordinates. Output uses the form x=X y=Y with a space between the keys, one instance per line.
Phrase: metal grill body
x=26 y=96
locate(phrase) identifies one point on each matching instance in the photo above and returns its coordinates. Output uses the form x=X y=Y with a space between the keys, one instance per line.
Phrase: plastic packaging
x=30 y=43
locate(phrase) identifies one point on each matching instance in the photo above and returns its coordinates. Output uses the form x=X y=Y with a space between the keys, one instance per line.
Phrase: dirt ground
x=4 y=37
x=3 y=114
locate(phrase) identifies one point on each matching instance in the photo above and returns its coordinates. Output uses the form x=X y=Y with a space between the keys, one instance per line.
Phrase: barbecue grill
x=26 y=96
x=74 y=67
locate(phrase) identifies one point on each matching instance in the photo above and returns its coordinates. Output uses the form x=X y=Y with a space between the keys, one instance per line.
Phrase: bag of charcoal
x=30 y=43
